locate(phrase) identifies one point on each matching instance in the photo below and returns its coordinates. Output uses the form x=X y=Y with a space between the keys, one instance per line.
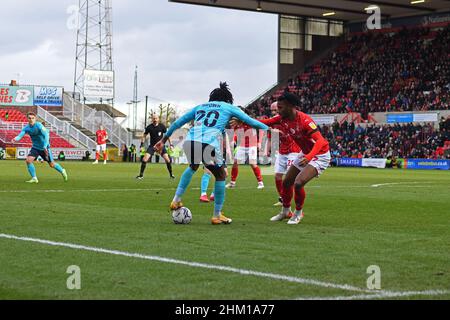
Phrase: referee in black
x=156 y=131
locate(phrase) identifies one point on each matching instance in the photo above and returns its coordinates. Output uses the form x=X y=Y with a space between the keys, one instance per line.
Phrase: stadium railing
x=6 y=128
x=66 y=128
x=91 y=119
x=9 y=130
x=117 y=134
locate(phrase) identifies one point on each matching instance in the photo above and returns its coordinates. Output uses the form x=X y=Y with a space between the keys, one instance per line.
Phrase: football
x=182 y=216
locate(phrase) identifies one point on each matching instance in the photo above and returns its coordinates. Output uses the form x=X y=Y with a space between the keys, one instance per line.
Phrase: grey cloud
x=182 y=51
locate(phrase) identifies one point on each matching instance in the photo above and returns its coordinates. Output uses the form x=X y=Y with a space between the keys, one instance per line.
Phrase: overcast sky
x=182 y=51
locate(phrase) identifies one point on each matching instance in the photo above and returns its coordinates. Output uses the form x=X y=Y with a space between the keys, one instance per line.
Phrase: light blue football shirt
x=210 y=120
x=39 y=136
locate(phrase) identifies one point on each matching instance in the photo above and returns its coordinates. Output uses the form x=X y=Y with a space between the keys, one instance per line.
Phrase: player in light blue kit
x=204 y=144
x=41 y=147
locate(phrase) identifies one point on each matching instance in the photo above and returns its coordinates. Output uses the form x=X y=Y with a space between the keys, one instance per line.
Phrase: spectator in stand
x=6 y=116
x=376 y=72
x=396 y=141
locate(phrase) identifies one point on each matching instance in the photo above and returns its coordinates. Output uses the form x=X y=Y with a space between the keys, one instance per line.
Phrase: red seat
x=55 y=140
x=14 y=115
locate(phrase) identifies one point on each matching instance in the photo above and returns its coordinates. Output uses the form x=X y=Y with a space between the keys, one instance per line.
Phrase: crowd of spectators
x=401 y=140
x=376 y=72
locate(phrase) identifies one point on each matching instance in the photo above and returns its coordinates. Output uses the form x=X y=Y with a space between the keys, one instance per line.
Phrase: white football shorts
x=321 y=162
x=284 y=161
x=101 y=147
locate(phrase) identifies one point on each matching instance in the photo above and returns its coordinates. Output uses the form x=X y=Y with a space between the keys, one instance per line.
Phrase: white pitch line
x=272 y=276
x=382 y=295
x=368 y=293
x=392 y=184
x=174 y=189
x=106 y=190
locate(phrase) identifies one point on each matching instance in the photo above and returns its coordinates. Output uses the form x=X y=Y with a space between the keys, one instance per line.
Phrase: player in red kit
x=287 y=153
x=102 y=138
x=247 y=140
x=312 y=161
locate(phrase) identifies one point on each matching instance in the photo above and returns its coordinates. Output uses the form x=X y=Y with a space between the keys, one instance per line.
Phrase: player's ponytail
x=222 y=93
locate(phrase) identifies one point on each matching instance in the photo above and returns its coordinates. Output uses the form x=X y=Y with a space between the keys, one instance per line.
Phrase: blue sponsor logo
x=400 y=118
x=48 y=96
x=349 y=162
x=428 y=164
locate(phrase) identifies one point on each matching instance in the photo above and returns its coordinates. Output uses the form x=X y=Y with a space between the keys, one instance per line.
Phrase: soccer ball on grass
x=182 y=216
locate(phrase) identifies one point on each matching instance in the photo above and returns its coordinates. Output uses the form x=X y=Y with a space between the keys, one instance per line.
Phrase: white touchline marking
x=384 y=184
x=381 y=295
x=392 y=184
x=174 y=189
x=191 y=264
x=369 y=294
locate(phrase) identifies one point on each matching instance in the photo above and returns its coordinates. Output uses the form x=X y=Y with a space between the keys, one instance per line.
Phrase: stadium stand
x=375 y=72
x=14 y=121
x=12 y=115
x=382 y=141
x=59 y=142
x=55 y=140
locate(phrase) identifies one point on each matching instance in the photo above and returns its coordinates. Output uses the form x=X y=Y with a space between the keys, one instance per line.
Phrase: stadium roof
x=345 y=10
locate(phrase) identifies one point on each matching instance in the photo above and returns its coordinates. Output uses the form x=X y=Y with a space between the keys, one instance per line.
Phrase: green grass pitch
x=402 y=227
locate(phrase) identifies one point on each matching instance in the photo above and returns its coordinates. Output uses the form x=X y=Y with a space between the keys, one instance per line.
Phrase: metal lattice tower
x=94 y=40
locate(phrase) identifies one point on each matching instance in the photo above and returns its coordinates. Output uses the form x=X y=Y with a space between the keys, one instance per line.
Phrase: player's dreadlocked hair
x=222 y=94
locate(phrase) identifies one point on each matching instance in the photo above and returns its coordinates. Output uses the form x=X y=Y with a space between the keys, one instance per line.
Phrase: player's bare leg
x=31 y=169
x=168 y=164
x=287 y=194
x=306 y=175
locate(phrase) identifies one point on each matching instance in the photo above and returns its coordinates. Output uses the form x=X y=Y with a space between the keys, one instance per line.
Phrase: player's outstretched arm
x=272 y=121
x=238 y=113
x=269 y=122
x=20 y=136
x=176 y=125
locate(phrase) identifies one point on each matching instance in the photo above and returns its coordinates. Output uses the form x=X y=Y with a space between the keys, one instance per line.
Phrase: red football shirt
x=101 y=136
x=300 y=129
x=287 y=144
